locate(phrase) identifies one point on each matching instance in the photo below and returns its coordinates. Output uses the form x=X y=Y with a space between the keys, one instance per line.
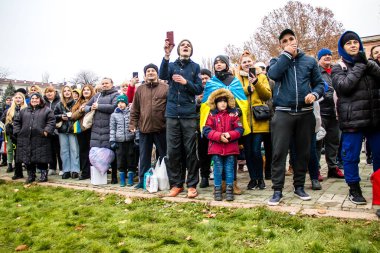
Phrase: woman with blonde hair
x=67 y=138
x=83 y=135
x=18 y=103
x=256 y=88
x=34 y=88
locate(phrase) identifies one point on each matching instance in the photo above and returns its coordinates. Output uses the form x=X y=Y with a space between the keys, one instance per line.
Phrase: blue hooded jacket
x=294 y=80
x=181 y=98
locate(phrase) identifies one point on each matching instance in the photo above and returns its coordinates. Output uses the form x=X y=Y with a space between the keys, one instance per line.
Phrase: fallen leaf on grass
x=322 y=211
x=19 y=205
x=79 y=227
x=16 y=190
x=128 y=201
x=22 y=247
x=205 y=221
x=189 y=238
x=211 y=215
x=122 y=222
x=121 y=244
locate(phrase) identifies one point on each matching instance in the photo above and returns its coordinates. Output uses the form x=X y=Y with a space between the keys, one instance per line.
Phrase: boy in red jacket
x=223 y=129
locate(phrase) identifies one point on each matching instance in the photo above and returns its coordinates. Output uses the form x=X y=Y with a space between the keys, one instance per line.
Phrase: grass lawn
x=63 y=220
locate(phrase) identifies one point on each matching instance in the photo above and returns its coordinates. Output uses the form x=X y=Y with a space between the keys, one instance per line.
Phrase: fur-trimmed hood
x=221 y=93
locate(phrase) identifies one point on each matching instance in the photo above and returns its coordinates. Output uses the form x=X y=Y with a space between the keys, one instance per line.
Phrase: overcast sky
x=115 y=38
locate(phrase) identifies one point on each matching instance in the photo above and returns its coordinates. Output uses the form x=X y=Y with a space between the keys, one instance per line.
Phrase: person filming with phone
x=183 y=76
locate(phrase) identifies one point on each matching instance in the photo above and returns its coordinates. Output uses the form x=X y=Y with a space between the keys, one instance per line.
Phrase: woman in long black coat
x=33 y=128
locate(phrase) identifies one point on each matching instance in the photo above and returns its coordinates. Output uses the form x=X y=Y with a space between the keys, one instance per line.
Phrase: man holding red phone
x=183 y=76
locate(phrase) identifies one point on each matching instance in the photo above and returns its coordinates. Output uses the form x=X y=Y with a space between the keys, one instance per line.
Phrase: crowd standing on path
x=197 y=119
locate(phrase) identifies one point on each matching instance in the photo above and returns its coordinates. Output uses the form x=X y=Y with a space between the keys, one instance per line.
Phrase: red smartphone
x=170 y=37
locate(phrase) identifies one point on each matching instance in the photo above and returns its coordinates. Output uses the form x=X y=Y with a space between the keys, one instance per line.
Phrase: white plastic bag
x=162 y=175
x=101 y=158
x=150 y=181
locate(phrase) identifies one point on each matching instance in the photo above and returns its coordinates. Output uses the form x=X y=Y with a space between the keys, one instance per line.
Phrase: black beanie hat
x=349 y=36
x=150 y=65
x=206 y=72
x=179 y=45
x=22 y=90
x=223 y=58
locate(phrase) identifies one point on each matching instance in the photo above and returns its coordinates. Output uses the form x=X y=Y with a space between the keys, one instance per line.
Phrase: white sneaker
x=60 y=173
x=52 y=172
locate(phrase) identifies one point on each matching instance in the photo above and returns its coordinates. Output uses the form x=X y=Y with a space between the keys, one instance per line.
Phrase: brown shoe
x=237 y=190
x=192 y=192
x=290 y=171
x=175 y=191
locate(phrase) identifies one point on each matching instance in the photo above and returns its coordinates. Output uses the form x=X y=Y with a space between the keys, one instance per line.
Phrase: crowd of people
x=297 y=106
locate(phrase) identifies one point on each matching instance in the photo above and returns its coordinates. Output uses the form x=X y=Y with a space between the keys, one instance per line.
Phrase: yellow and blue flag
x=236 y=89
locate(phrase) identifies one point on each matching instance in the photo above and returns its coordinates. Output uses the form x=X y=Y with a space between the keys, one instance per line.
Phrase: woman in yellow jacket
x=258 y=91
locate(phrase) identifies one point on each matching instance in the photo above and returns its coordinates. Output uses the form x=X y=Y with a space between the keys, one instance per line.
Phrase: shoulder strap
x=343 y=65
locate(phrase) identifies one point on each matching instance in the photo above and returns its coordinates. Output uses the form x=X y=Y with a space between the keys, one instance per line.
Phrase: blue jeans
x=225 y=163
x=351 y=147
x=69 y=152
x=253 y=156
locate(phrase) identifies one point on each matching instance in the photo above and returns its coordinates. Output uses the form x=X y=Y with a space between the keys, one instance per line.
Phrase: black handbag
x=261 y=112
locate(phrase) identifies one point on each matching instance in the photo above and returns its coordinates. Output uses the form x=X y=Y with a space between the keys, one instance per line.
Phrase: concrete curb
x=292 y=210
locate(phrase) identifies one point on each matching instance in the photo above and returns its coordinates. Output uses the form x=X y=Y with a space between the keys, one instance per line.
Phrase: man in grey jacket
x=298 y=83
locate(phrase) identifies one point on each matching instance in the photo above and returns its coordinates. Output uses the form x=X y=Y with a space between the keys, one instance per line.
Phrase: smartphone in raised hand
x=170 y=37
x=252 y=72
x=135 y=75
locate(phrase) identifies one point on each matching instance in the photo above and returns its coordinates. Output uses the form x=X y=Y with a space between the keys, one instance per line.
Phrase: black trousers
x=331 y=141
x=125 y=156
x=145 y=146
x=34 y=166
x=56 y=153
x=84 y=151
x=204 y=158
x=182 y=132
x=284 y=126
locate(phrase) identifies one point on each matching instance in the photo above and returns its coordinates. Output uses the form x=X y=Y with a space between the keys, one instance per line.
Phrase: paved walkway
x=332 y=200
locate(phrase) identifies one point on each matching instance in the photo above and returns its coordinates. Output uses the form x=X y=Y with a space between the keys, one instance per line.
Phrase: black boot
x=230 y=193
x=218 y=193
x=10 y=168
x=31 y=176
x=44 y=176
x=18 y=171
x=114 y=176
x=355 y=194
x=204 y=182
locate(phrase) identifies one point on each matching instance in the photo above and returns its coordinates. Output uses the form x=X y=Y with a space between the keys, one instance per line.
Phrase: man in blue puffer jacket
x=298 y=83
x=183 y=77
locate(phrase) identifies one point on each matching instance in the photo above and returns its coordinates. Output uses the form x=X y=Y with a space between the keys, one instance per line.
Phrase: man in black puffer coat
x=357 y=84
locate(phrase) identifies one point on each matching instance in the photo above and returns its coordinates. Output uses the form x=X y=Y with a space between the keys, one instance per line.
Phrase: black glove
x=114 y=145
x=360 y=58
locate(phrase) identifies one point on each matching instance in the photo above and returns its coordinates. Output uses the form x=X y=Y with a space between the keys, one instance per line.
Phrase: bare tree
x=45 y=77
x=4 y=73
x=315 y=28
x=233 y=52
x=208 y=63
x=85 y=77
